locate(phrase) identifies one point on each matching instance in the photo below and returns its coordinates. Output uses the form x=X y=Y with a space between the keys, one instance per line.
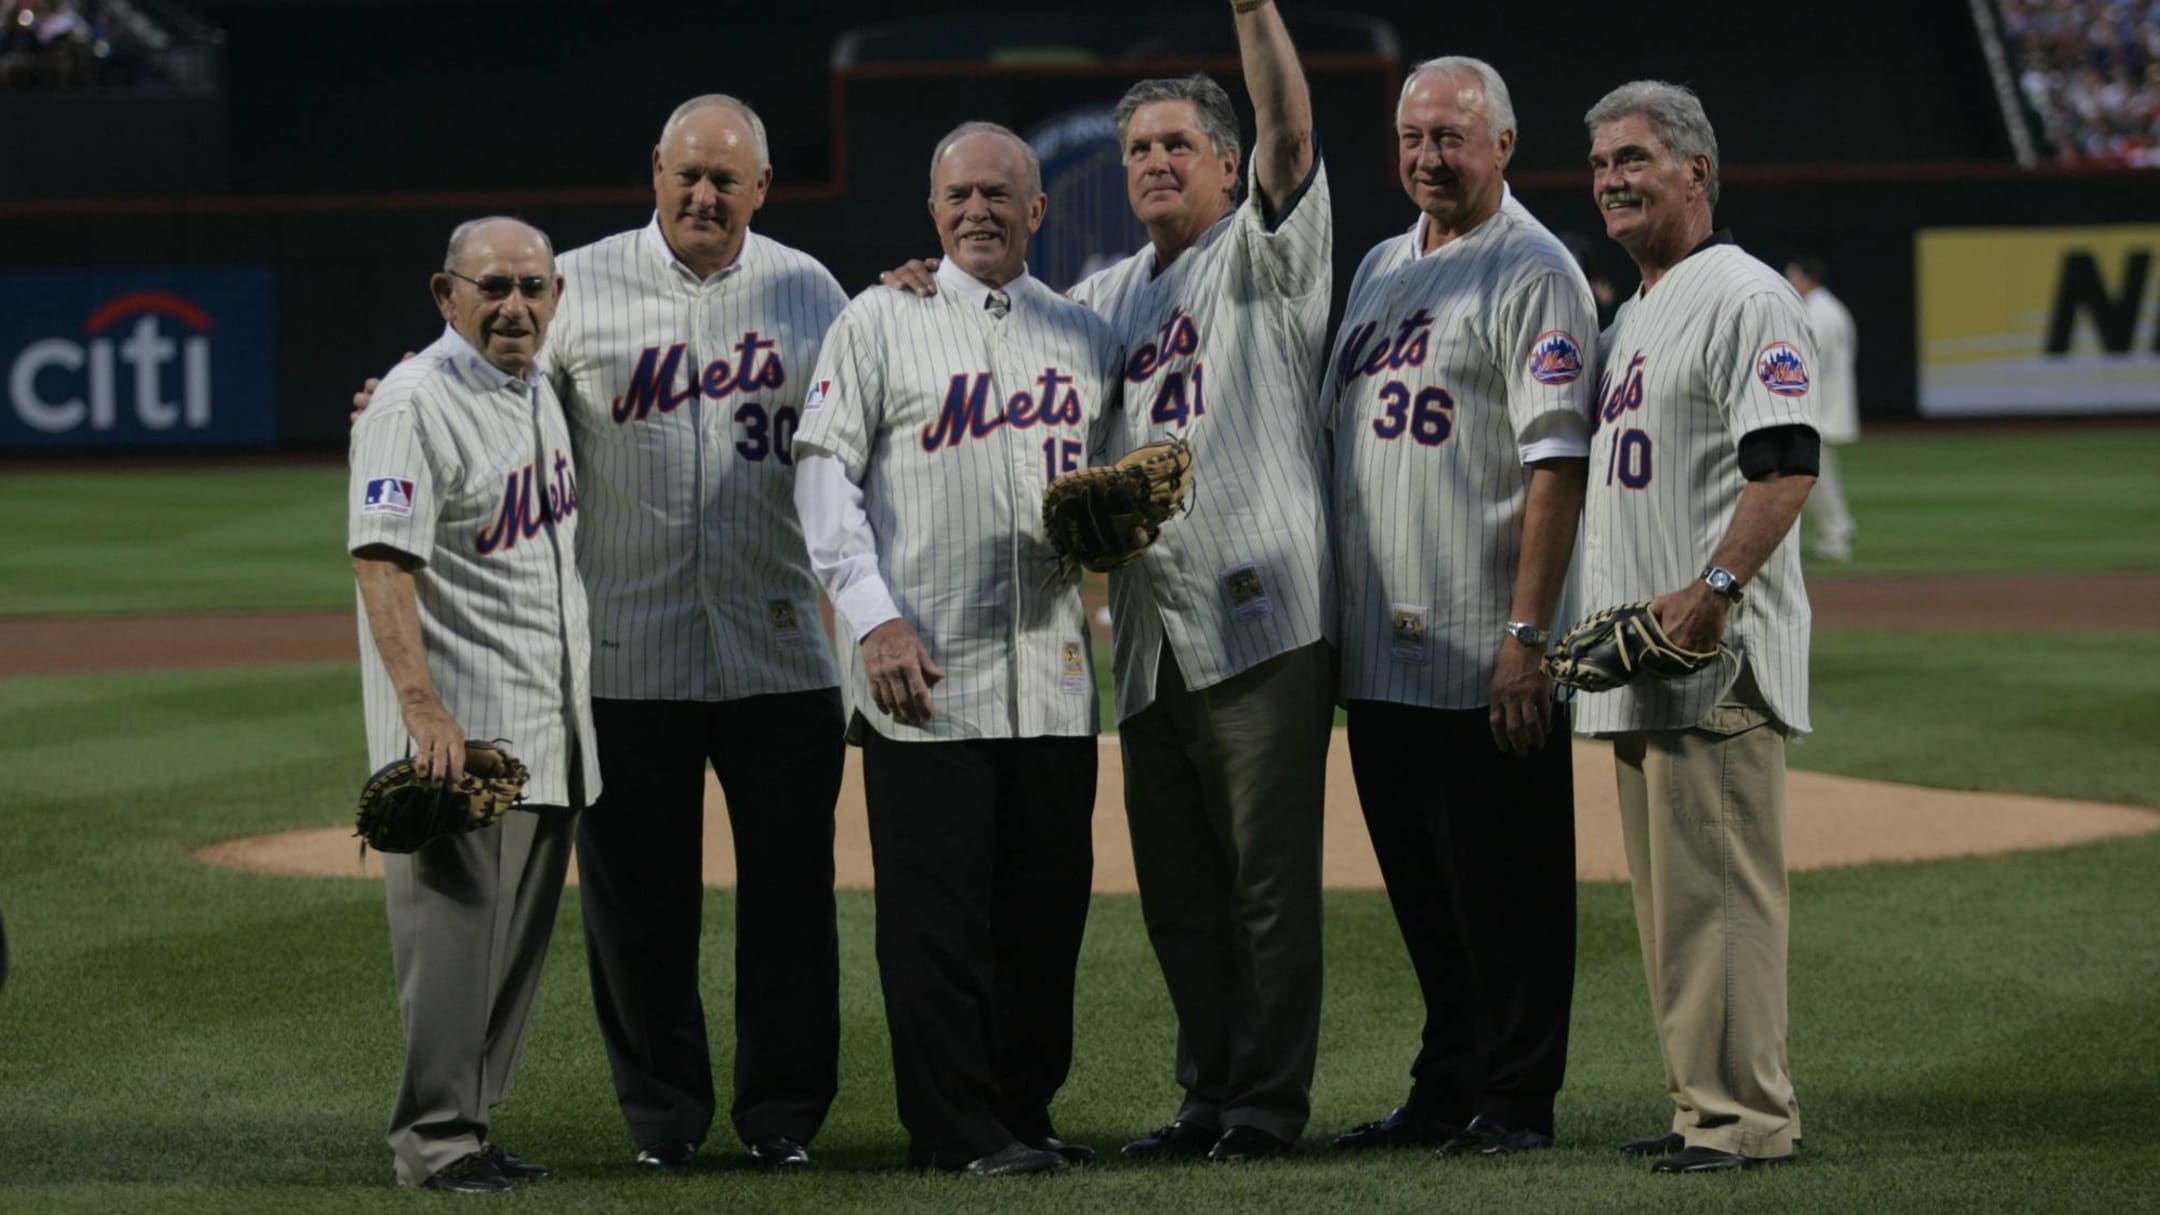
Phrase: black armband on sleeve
x=1794 y=450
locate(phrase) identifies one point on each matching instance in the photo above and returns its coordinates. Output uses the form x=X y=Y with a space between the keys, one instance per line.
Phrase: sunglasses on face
x=499 y=286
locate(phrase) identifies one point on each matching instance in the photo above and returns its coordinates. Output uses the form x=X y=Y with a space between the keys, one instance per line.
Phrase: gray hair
x=1209 y=101
x=703 y=101
x=965 y=129
x=1499 y=107
x=463 y=232
x=1675 y=114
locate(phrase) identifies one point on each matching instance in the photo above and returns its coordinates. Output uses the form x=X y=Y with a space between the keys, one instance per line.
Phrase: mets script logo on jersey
x=970 y=410
x=1555 y=358
x=1406 y=347
x=524 y=512
x=1177 y=337
x=388 y=496
x=1616 y=399
x=1781 y=371
x=652 y=382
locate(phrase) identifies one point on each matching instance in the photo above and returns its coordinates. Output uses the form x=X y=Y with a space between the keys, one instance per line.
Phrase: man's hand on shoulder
x=361 y=399
x=917 y=277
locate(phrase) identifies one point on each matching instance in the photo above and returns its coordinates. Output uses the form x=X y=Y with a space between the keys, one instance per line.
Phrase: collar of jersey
x=1417 y=229
x=965 y=286
x=466 y=358
x=656 y=240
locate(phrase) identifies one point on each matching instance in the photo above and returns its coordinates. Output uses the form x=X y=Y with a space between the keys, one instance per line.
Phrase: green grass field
x=1968 y=1035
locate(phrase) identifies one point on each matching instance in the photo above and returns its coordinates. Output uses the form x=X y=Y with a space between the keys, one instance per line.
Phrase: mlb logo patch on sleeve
x=388 y=496
x=815 y=398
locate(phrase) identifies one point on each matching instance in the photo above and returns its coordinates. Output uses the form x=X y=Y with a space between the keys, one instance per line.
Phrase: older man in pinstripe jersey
x=681 y=354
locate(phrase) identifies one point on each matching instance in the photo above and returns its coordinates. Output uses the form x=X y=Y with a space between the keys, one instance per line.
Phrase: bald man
x=462 y=525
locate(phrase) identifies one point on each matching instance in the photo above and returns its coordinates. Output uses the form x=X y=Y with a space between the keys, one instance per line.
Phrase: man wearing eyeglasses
x=682 y=354
x=462 y=527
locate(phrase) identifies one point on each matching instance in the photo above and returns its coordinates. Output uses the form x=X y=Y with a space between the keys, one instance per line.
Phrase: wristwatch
x=1527 y=633
x=1722 y=581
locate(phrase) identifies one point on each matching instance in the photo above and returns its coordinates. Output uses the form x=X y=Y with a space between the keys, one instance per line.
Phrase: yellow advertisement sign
x=2039 y=320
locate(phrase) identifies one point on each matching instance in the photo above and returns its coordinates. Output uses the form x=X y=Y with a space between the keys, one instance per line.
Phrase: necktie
x=998 y=304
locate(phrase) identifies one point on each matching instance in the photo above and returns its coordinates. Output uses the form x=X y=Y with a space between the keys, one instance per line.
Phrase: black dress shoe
x=1176 y=1139
x=1711 y=1160
x=1241 y=1144
x=1654 y=1145
x=516 y=1168
x=1074 y=1153
x=1015 y=1159
x=1492 y=1137
x=779 y=1152
x=472 y=1173
x=668 y=1154
x=1401 y=1128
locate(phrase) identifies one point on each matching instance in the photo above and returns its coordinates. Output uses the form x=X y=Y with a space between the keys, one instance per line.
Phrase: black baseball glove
x=1103 y=517
x=400 y=810
x=1607 y=649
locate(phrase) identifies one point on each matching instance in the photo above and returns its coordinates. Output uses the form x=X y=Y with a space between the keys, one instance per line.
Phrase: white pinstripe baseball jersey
x=1225 y=348
x=683 y=396
x=1452 y=371
x=1836 y=392
x=467 y=470
x=1720 y=348
x=953 y=422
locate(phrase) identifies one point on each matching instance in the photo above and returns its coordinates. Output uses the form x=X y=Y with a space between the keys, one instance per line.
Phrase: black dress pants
x=1477 y=847
x=984 y=856
x=640 y=853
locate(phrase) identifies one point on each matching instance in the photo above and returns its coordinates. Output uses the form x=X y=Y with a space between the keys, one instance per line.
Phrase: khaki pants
x=470 y=916
x=1225 y=789
x=1703 y=812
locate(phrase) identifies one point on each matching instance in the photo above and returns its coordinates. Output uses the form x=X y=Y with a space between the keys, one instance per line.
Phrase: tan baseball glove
x=1103 y=517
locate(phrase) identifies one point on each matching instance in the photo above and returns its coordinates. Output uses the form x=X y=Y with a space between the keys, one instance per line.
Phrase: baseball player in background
x=1225 y=680
x=1459 y=403
x=1704 y=452
x=932 y=427
x=462 y=527
x=681 y=355
x=1837 y=405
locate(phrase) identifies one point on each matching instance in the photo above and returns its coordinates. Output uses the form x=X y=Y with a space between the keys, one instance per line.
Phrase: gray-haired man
x=1459 y=405
x=1704 y=452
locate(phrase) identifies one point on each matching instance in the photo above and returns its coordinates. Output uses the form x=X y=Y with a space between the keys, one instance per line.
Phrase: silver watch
x=1721 y=580
x=1527 y=633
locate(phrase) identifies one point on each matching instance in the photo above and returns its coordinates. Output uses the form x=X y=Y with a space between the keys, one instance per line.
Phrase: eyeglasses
x=499 y=286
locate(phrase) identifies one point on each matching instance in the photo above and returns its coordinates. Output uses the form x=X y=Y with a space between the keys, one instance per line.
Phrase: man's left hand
x=1693 y=617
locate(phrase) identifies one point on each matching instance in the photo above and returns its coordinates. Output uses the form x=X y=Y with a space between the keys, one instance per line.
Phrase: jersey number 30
x=763 y=436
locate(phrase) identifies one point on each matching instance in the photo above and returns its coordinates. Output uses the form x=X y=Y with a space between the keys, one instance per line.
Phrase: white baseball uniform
x=1720 y=348
x=1225 y=349
x=1453 y=371
x=944 y=425
x=467 y=470
x=691 y=550
x=1837 y=419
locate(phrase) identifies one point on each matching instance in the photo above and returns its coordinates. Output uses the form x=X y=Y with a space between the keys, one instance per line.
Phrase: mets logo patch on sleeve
x=815 y=398
x=388 y=496
x=1555 y=358
x=1781 y=370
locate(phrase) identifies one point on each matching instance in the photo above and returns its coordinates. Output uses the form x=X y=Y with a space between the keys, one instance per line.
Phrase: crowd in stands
x=76 y=44
x=2090 y=73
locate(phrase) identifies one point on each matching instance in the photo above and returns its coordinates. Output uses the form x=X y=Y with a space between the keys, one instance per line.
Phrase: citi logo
x=147 y=352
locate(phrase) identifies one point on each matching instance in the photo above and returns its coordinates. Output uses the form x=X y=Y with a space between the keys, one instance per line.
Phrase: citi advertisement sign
x=138 y=359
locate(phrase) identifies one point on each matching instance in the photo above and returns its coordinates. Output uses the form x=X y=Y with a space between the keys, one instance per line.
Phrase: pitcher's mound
x=1833 y=820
